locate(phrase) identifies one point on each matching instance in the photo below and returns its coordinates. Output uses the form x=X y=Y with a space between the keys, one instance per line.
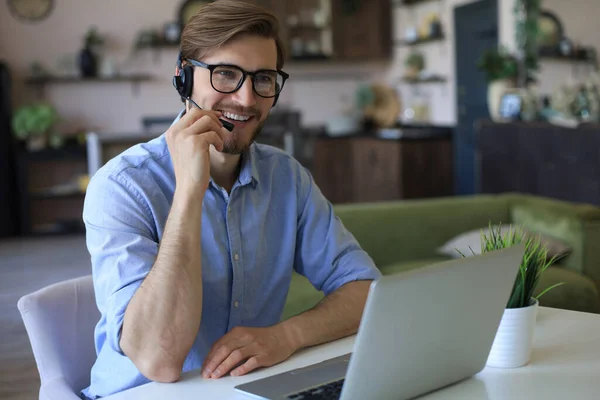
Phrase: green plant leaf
x=548 y=289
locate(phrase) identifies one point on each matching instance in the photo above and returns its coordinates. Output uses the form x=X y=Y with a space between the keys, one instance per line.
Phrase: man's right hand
x=189 y=141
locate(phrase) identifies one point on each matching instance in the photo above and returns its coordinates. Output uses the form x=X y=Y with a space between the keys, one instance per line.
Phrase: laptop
x=421 y=330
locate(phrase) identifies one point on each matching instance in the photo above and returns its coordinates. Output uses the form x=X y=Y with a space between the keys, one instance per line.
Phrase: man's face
x=250 y=53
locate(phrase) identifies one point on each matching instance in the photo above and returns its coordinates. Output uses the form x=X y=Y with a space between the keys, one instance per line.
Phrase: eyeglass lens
x=266 y=83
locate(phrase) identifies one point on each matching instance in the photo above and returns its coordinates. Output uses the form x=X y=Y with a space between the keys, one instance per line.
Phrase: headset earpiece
x=184 y=80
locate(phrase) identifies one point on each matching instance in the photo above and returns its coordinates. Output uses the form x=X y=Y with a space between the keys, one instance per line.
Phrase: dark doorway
x=476 y=27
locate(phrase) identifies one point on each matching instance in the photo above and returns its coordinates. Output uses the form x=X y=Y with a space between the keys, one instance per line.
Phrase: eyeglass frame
x=212 y=67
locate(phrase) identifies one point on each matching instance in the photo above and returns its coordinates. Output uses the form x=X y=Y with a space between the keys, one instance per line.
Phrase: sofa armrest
x=578 y=225
x=397 y=231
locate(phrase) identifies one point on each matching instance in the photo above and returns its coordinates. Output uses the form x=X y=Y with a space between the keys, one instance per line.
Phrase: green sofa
x=403 y=235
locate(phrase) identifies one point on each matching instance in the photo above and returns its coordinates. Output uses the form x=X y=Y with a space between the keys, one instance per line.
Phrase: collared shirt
x=274 y=221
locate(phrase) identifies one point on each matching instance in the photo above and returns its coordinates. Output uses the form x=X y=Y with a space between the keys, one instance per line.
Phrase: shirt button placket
x=237 y=284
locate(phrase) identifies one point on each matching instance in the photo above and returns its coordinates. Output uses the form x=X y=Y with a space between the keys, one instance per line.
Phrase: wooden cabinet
x=539 y=159
x=359 y=30
x=369 y=169
x=363 y=33
x=50 y=195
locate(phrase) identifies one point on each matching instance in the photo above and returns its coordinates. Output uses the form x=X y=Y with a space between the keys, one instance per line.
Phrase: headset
x=184 y=81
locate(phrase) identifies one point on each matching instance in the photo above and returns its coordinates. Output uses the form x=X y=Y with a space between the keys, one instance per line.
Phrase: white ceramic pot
x=495 y=91
x=513 y=341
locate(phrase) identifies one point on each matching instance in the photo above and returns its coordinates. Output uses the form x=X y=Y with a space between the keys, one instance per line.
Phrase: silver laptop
x=421 y=331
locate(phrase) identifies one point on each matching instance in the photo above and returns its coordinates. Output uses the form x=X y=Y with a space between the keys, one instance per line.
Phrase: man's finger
x=204 y=124
x=250 y=365
x=221 y=353
x=233 y=360
x=213 y=138
x=193 y=115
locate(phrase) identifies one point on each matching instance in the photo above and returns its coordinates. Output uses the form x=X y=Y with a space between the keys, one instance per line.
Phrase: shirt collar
x=248 y=171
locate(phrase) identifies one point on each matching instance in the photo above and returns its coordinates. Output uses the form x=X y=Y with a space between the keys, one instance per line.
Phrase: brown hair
x=222 y=20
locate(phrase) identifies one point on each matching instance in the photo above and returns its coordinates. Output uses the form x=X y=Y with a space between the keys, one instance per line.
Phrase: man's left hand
x=247 y=349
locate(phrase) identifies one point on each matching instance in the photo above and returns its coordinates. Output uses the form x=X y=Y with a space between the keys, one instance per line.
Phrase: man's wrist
x=186 y=198
x=293 y=333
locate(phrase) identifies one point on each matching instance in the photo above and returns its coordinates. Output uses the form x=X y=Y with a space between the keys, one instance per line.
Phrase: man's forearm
x=163 y=317
x=337 y=316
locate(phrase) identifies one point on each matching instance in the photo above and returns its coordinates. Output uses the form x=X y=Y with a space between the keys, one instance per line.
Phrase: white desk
x=565 y=364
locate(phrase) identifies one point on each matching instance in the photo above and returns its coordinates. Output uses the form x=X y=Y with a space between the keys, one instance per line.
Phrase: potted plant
x=502 y=70
x=33 y=124
x=415 y=63
x=513 y=341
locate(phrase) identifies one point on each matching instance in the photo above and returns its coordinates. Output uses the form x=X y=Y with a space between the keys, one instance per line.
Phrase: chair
x=60 y=321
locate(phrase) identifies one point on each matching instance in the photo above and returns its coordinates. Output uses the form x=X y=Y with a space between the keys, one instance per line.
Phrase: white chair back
x=60 y=320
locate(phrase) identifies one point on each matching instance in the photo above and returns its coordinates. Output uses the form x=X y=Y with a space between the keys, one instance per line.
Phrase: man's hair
x=218 y=22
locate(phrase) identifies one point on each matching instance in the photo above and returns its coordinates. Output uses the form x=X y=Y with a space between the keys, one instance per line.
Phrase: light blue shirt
x=274 y=221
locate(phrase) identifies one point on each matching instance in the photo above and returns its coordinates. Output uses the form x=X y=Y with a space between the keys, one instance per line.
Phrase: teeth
x=235 y=116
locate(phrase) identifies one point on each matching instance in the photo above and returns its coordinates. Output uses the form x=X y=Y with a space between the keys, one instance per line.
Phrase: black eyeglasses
x=226 y=78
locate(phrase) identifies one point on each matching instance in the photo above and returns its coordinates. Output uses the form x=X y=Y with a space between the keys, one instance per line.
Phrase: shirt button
x=236 y=304
x=236 y=256
x=229 y=210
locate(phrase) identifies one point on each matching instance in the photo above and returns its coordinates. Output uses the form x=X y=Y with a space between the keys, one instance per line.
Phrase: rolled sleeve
x=327 y=254
x=121 y=241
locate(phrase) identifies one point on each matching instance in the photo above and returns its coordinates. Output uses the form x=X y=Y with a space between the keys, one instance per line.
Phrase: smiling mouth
x=237 y=119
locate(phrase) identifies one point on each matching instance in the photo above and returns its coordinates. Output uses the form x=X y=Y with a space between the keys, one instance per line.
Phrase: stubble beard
x=234 y=144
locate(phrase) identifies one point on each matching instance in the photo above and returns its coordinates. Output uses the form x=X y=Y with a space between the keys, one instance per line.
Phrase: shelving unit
x=421 y=41
x=433 y=79
x=135 y=80
x=413 y=2
x=44 y=210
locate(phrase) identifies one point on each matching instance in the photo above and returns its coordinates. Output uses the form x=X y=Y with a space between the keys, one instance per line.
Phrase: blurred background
x=387 y=100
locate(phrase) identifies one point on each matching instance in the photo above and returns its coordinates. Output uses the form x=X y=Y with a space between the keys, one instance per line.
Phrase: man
x=194 y=236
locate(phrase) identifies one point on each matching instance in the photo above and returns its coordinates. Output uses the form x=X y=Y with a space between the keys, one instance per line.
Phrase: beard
x=237 y=145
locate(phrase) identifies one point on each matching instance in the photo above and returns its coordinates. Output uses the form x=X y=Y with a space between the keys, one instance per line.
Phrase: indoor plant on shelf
x=502 y=71
x=34 y=124
x=513 y=341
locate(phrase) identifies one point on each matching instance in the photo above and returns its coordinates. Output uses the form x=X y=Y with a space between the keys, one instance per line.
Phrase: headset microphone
x=226 y=124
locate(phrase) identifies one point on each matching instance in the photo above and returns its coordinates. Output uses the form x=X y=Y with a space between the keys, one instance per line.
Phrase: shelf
x=59 y=228
x=69 y=79
x=311 y=57
x=305 y=27
x=413 y=2
x=159 y=45
x=433 y=79
x=421 y=41
x=551 y=53
x=66 y=153
x=558 y=57
x=135 y=80
x=46 y=196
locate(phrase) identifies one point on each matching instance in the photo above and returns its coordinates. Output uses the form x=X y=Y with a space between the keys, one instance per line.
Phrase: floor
x=25 y=266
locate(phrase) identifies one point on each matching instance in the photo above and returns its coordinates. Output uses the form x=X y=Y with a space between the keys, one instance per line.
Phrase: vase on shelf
x=495 y=91
x=87 y=63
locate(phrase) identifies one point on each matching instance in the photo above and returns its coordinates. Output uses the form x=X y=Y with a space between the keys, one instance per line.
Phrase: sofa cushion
x=469 y=243
x=579 y=293
x=301 y=297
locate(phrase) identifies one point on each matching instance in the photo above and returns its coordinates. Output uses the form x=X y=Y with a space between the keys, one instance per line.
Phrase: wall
x=316 y=90
x=580 y=23
x=440 y=56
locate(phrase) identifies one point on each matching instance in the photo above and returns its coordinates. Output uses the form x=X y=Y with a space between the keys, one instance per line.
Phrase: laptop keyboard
x=328 y=391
